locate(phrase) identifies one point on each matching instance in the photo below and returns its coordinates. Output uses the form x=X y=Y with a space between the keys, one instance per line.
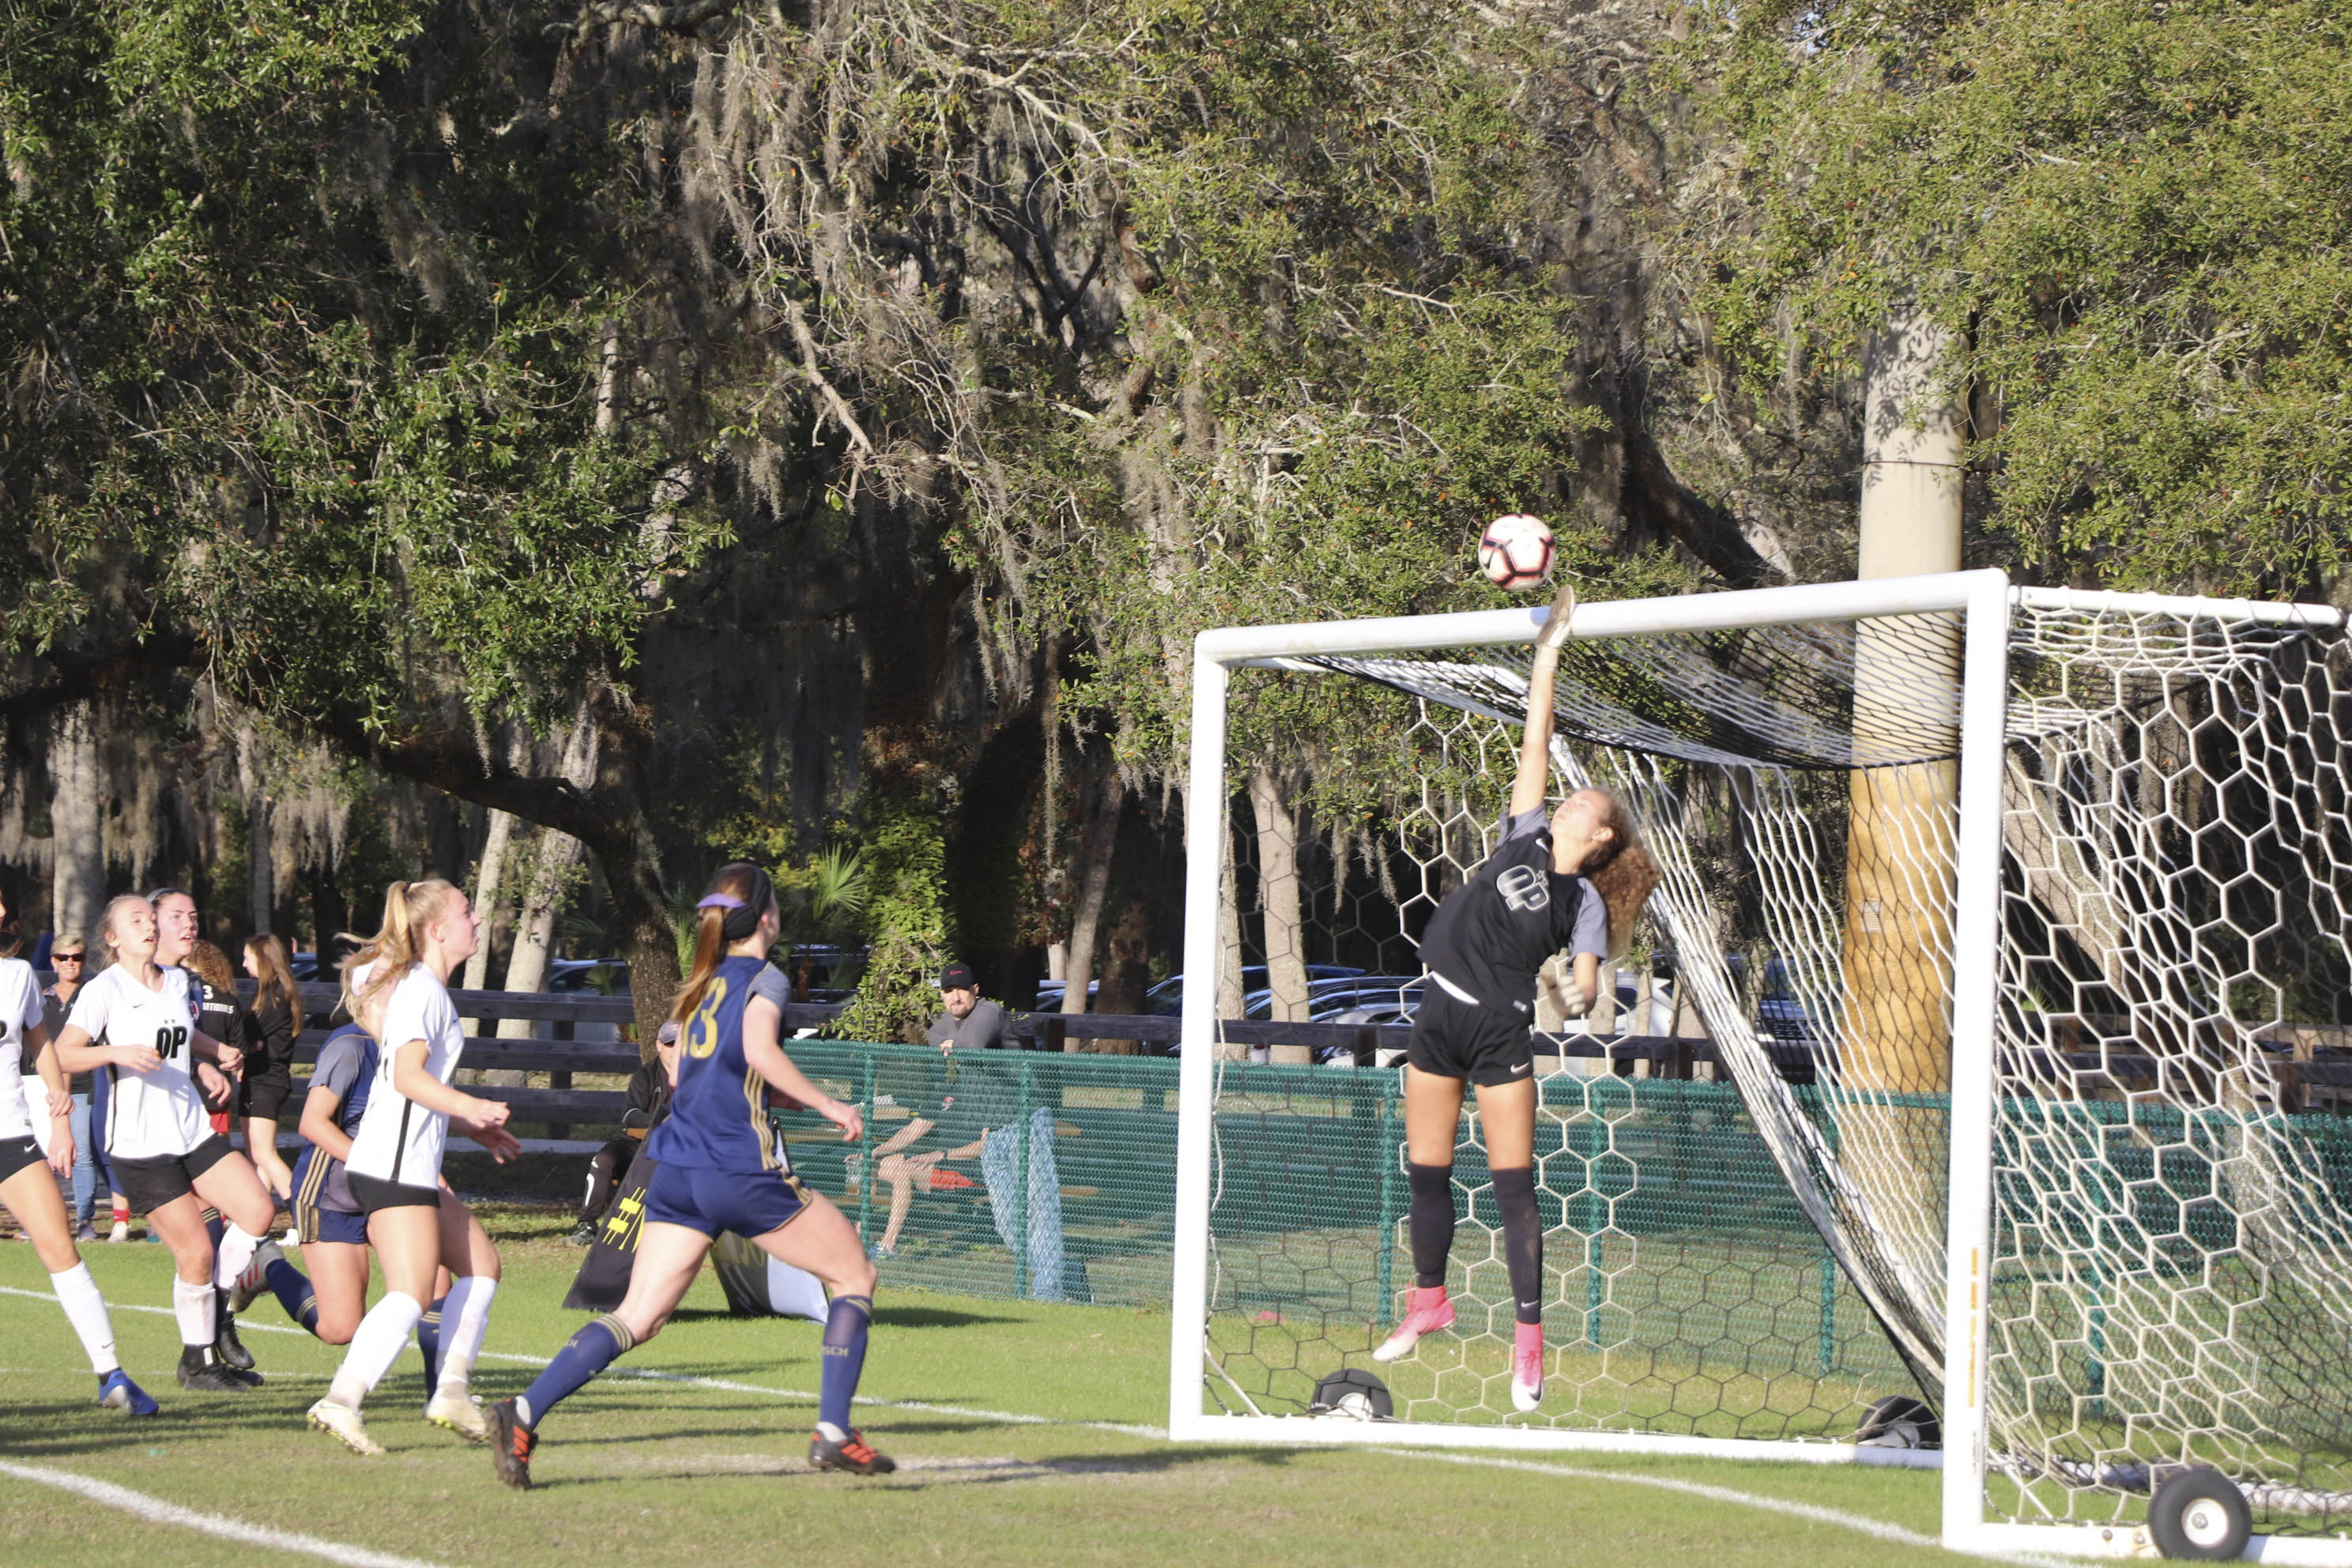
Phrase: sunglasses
x=65 y=958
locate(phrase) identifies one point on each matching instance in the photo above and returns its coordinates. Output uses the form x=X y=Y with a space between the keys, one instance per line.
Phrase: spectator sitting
x=970 y=1102
x=649 y=1092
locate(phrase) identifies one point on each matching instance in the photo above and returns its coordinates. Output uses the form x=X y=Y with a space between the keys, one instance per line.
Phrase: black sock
x=1432 y=1221
x=1515 y=1195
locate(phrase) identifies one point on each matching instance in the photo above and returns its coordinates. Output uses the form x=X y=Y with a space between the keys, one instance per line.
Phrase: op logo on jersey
x=702 y=1029
x=168 y=1041
x=1524 y=888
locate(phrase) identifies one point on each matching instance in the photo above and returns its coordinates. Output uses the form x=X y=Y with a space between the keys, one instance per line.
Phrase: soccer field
x=1024 y=1434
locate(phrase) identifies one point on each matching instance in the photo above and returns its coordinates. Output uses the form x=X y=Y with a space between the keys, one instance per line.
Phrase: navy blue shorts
x=750 y=1204
x=313 y=1224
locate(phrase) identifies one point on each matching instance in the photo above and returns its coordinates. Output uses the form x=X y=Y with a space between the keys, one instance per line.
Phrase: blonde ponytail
x=393 y=951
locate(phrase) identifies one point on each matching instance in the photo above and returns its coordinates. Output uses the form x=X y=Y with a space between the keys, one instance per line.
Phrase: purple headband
x=721 y=902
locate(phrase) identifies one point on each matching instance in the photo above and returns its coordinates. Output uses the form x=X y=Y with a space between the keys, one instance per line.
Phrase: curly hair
x=1621 y=870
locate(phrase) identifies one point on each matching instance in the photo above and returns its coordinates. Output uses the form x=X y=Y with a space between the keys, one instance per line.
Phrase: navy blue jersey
x=718 y=1115
x=347 y=1064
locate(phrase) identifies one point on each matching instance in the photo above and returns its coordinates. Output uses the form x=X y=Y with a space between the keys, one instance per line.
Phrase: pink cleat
x=1429 y=1312
x=1527 y=1367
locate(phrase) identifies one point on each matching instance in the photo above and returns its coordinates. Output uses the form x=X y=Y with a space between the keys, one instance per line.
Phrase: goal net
x=1980 y=1046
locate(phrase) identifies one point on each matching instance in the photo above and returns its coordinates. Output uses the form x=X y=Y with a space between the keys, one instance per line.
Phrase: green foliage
x=2139 y=219
x=906 y=924
x=270 y=401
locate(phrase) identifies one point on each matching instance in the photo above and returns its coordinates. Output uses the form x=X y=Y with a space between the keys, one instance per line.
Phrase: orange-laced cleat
x=510 y=1444
x=851 y=1453
x=1430 y=1311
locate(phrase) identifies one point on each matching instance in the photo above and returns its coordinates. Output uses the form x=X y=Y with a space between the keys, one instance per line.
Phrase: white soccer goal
x=2015 y=921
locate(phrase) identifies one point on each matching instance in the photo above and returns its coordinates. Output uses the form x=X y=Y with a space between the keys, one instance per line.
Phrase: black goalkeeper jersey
x=1493 y=933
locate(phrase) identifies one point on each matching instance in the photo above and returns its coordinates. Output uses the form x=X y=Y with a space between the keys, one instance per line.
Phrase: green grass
x=643 y=1471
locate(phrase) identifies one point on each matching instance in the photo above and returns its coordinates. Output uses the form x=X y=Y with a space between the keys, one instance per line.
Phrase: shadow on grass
x=920 y=1476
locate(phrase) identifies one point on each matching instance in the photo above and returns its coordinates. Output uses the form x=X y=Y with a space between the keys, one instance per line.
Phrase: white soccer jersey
x=399 y=1139
x=153 y=1114
x=20 y=1009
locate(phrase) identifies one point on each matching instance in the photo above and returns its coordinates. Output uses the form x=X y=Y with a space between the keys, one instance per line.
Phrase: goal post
x=1764 y=1263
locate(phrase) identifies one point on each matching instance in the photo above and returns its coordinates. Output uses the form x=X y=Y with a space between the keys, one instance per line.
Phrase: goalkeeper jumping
x=1575 y=883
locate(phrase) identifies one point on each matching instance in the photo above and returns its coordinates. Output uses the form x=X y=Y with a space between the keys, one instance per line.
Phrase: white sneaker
x=121 y=1232
x=293 y=1237
x=344 y=1423
x=461 y=1413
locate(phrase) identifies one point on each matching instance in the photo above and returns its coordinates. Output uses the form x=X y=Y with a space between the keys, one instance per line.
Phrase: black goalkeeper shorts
x=1451 y=1038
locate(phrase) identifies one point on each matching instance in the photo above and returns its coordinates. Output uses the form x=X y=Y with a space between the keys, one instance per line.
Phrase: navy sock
x=292 y=1288
x=599 y=1344
x=429 y=1342
x=1431 y=1221
x=845 y=1358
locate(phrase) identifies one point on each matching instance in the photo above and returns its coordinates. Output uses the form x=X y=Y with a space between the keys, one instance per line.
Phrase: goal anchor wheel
x=2196 y=1513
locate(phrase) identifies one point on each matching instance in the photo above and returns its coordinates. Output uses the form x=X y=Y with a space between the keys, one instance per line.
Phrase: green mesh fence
x=1687 y=1292
x=1049 y=1176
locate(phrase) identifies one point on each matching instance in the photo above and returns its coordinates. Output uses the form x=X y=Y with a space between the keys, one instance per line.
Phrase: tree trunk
x=1126 y=974
x=1277 y=880
x=76 y=812
x=1098 y=844
x=1231 y=994
x=485 y=903
x=261 y=876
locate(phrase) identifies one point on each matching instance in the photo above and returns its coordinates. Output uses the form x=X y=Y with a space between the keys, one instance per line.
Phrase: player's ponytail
x=740 y=894
x=1621 y=871
x=393 y=951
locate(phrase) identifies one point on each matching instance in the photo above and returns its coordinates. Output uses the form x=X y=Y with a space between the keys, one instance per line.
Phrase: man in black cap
x=969 y=1024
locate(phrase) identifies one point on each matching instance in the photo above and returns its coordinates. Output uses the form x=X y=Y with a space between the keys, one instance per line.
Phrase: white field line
x=155 y=1511
x=1877 y=1528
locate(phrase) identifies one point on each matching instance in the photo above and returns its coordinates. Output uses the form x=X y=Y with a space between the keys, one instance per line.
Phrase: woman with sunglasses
x=69 y=961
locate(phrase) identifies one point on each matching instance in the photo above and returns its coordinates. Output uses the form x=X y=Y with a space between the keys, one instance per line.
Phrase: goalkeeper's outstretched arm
x=1527 y=791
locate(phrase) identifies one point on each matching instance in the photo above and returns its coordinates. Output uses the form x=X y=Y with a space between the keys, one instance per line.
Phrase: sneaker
x=117 y=1392
x=293 y=1237
x=87 y=1234
x=120 y=1231
x=461 y=1413
x=201 y=1374
x=345 y=1423
x=255 y=1278
x=851 y=1453
x=510 y=1444
x=878 y=1252
x=1430 y=1310
x=584 y=1235
x=1527 y=1367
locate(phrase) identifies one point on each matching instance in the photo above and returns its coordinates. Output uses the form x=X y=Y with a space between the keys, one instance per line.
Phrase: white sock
x=382 y=1335
x=86 y=1310
x=193 y=1305
x=236 y=1249
x=465 y=1319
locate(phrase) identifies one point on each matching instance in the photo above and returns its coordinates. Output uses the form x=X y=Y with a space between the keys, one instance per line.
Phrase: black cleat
x=226 y=1344
x=851 y=1453
x=510 y=1446
x=201 y=1374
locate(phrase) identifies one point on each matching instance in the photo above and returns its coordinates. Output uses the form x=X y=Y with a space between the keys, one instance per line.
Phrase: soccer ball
x=1516 y=550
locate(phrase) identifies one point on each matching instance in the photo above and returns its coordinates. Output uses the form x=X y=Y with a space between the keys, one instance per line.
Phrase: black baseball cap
x=959 y=977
